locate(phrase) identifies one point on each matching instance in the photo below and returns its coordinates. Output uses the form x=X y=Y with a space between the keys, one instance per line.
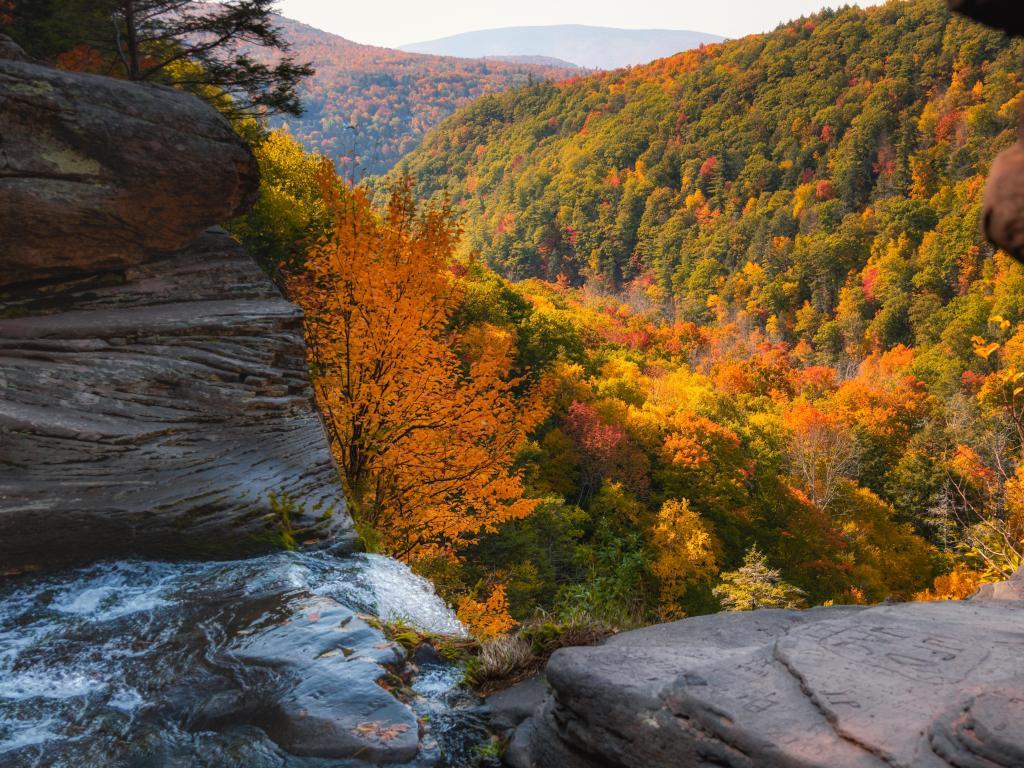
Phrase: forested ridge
x=390 y=98
x=778 y=327
x=684 y=170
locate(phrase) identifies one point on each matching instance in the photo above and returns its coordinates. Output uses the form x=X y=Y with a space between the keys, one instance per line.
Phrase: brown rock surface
x=100 y=174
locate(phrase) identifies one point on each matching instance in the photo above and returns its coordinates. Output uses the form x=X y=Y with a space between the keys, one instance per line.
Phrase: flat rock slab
x=164 y=410
x=921 y=685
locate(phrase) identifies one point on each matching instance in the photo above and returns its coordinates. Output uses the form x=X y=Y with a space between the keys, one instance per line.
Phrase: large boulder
x=154 y=396
x=920 y=685
x=100 y=174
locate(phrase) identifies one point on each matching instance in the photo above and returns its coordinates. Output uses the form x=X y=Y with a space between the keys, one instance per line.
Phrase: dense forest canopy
x=763 y=150
x=775 y=322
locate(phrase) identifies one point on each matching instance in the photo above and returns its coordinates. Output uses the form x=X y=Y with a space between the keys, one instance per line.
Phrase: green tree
x=754 y=585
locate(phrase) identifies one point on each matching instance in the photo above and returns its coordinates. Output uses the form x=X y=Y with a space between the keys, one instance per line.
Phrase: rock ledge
x=919 y=685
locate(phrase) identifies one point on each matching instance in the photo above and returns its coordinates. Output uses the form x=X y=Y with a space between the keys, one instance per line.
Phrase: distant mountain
x=366 y=107
x=543 y=61
x=591 y=47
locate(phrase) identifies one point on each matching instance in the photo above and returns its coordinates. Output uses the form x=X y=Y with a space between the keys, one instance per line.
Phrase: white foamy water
x=398 y=593
x=110 y=660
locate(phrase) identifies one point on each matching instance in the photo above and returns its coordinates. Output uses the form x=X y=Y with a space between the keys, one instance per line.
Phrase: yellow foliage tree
x=685 y=553
x=957 y=585
x=425 y=438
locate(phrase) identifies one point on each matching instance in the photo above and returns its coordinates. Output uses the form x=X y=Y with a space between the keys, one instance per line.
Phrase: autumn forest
x=719 y=332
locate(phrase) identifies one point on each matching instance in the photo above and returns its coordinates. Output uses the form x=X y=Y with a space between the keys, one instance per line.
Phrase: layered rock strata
x=154 y=396
x=101 y=174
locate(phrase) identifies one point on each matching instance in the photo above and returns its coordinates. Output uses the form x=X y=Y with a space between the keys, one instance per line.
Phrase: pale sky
x=397 y=22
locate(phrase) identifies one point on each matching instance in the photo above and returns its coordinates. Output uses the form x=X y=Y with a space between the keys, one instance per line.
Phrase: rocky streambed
x=269 y=661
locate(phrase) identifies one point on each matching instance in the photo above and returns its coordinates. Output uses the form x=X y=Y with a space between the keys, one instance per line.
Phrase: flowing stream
x=128 y=662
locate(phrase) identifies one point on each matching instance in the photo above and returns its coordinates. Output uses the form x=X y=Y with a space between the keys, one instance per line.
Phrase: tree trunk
x=131 y=40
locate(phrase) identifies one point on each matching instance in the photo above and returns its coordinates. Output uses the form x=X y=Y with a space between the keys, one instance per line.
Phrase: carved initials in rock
x=841 y=698
x=926 y=658
x=757 y=703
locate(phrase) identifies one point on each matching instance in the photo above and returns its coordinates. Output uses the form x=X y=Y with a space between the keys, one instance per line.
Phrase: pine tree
x=754 y=585
x=204 y=47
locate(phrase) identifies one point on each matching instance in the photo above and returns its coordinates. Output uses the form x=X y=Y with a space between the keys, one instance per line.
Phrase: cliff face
x=153 y=389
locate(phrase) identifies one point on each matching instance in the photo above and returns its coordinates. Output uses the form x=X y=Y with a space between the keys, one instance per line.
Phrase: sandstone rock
x=1011 y=589
x=99 y=174
x=923 y=685
x=161 y=409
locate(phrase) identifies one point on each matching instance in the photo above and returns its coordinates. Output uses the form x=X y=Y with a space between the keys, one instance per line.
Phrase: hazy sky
x=395 y=22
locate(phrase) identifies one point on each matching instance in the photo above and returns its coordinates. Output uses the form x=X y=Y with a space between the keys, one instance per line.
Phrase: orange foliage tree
x=822 y=453
x=425 y=438
x=486 y=618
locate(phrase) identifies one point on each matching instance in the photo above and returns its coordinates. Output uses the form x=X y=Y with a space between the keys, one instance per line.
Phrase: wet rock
x=508 y=708
x=919 y=685
x=333 y=707
x=517 y=751
x=100 y=174
x=165 y=410
x=266 y=662
x=426 y=655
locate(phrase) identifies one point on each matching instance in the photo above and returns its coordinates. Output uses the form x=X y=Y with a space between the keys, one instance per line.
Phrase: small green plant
x=489 y=750
x=284 y=508
x=370 y=539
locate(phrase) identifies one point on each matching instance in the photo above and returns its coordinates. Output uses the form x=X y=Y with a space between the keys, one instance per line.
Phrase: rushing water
x=121 y=663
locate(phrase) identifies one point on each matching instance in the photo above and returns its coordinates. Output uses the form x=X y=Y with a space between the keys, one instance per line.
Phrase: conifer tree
x=754 y=585
x=204 y=47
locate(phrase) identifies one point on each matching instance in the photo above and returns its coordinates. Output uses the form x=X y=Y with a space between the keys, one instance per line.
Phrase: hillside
x=546 y=61
x=586 y=46
x=391 y=97
x=788 y=317
x=823 y=178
